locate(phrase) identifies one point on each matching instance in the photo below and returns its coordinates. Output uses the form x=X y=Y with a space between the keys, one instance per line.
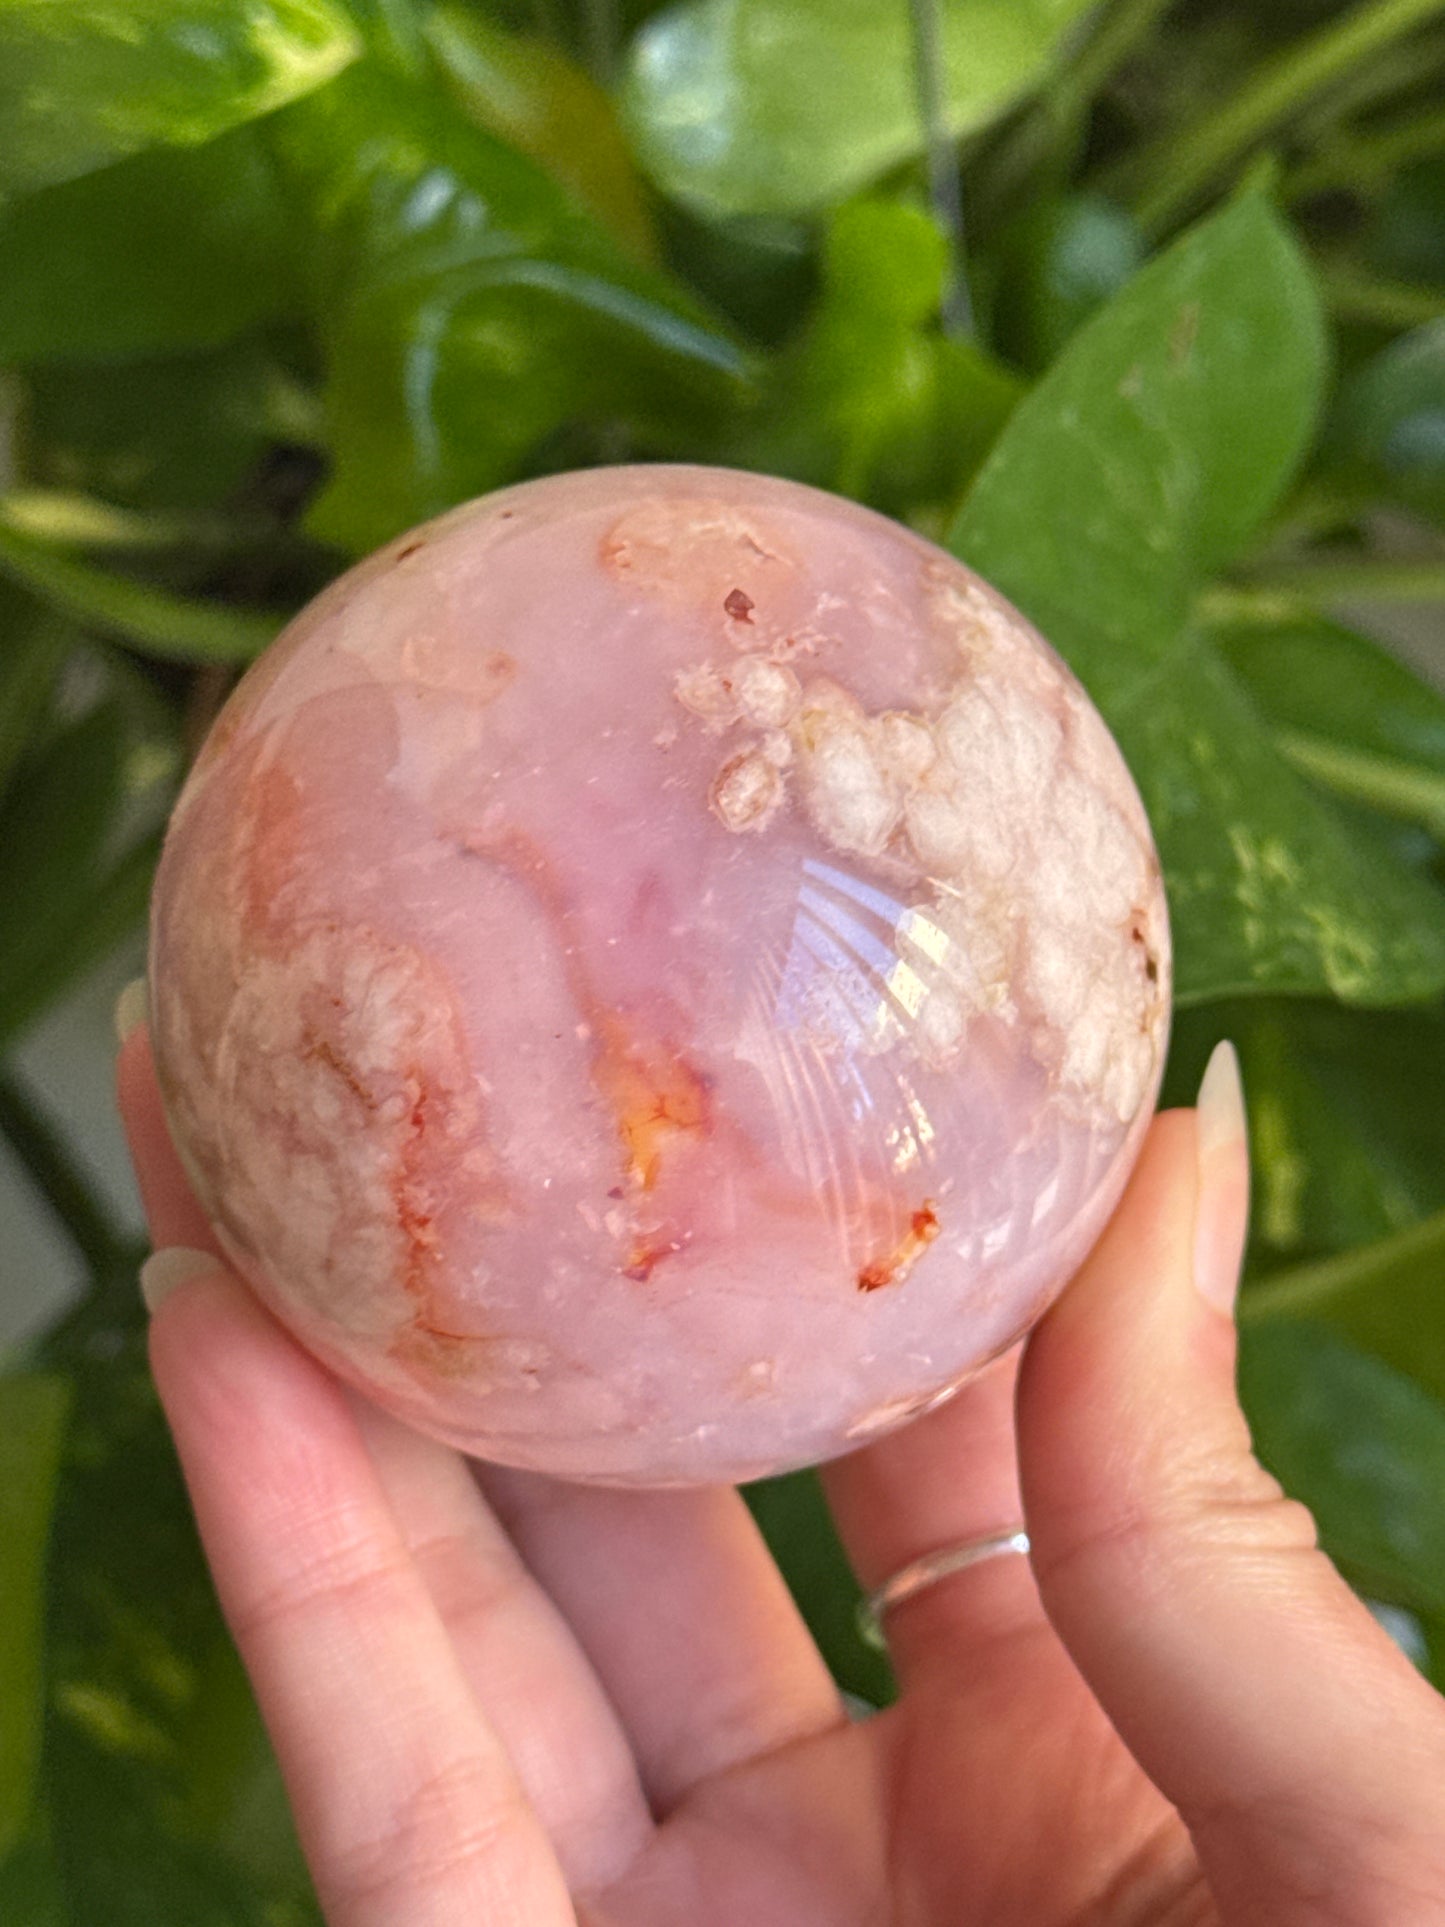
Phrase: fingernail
x=1221 y=1212
x=132 y=1007
x=164 y=1270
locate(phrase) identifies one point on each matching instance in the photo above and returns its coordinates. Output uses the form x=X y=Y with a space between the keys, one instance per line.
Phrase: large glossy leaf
x=474 y=312
x=1139 y=465
x=782 y=106
x=1346 y=712
x=1269 y=888
x=33 y=1411
x=177 y=248
x=84 y=85
x=526 y=91
x=1362 y=1446
x=1154 y=446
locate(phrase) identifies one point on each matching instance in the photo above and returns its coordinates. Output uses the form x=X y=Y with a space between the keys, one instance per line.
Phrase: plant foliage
x=280 y=277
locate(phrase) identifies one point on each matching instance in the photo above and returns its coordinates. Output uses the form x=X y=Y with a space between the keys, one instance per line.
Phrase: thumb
x=1303 y=1751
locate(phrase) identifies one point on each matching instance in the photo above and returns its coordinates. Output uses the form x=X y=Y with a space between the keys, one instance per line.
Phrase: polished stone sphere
x=659 y=975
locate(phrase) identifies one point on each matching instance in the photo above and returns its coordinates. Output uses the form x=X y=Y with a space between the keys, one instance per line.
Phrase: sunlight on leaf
x=780 y=106
x=83 y=85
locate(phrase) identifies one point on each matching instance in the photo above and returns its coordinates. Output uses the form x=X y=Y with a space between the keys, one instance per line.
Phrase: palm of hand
x=1002 y=1797
x=501 y=1699
x=681 y=1748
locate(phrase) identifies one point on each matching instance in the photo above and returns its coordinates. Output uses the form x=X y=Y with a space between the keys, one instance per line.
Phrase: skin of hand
x=499 y=1698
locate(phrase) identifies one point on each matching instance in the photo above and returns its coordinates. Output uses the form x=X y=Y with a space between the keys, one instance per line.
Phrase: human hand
x=500 y=1699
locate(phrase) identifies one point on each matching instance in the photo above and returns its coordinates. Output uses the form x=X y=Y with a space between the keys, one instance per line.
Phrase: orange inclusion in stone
x=656 y=1096
x=922 y=1230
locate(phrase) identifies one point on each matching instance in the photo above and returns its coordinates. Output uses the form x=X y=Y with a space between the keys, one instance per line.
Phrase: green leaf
x=1141 y=463
x=783 y=106
x=798 y=1527
x=172 y=249
x=33 y=1412
x=84 y=85
x=874 y=401
x=528 y=93
x=474 y=313
x=150 y=619
x=1362 y=1446
x=1346 y=712
x=1269 y=888
x=1154 y=447
x=1387 y=1297
x=1389 y=427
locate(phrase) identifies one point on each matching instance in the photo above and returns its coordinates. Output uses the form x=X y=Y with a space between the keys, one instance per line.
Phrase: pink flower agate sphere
x=659 y=975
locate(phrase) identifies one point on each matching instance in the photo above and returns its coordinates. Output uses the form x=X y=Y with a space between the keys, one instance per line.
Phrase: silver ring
x=927 y=1571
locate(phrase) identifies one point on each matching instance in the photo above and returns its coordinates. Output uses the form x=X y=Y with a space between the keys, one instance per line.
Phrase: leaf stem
x=153 y=620
x=1306 y=1290
x=1278 y=91
x=46 y=1161
x=944 y=182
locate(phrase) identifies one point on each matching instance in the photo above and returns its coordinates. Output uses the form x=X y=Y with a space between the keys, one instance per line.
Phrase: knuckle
x=1207 y=1506
x=453 y=1823
x=352 y=1571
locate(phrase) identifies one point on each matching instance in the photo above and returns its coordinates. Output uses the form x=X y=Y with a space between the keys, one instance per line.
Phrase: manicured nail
x=172 y=1266
x=132 y=1007
x=1221 y=1212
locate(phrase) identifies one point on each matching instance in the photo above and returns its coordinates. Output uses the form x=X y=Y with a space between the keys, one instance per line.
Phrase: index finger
x=406 y=1803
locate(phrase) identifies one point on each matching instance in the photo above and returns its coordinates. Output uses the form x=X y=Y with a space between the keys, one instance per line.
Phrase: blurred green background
x=1138 y=307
